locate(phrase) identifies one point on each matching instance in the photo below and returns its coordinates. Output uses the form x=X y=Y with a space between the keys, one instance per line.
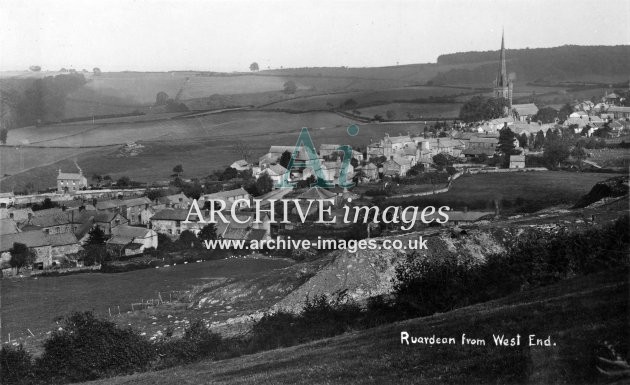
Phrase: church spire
x=502 y=79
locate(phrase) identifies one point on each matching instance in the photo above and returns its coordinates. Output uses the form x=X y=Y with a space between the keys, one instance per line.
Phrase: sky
x=163 y=35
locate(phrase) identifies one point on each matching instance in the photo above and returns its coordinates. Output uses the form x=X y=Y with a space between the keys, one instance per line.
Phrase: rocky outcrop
x=610 y=188
x=366 y=273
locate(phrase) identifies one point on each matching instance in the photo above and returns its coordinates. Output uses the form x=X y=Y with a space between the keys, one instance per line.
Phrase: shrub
x=15 y=365
x=87 y=348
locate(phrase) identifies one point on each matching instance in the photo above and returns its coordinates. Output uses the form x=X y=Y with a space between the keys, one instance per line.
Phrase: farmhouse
x=228 y=197
x=128 y=240
x=71 y=182
x=169 y=222
x=176 y=201
x=481 y=145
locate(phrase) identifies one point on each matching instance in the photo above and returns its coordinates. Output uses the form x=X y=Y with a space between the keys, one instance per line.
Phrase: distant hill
x=546 y=65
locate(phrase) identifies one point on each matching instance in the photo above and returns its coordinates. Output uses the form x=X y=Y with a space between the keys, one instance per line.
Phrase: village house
x=7 y=199
x=619 y=112
x=71 y=182
x=241 y=165
x=524 y=112
x=176 y=201
x=517 y=161
x=129 y=240
x=48 y=249
x=481 y=145
x=229 y=197
x=170 y=222
x=370 y=171
x=396 y=166
x=274 y=171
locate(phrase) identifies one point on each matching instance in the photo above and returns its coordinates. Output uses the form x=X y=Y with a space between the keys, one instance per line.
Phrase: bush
x=198 y=342
x=87 y=348
x=15 y=365
x=536 y=259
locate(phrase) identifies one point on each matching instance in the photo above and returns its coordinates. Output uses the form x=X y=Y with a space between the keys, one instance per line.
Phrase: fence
x=24 y=336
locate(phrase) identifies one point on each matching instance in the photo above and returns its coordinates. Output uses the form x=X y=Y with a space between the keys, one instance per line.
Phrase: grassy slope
x=34 y=303
x=551 y=186
x=578 y=315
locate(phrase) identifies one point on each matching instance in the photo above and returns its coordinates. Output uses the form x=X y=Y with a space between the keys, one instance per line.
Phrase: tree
x=3 y=135
x=35 y=68
x=253 y=67
x=522 y=140
x=480 y=108
x=161 y=98
x=16 y=365
x=21 y=256
x=85 y=348
x=391 y=114
x=539 y=141
x=443 y=160
x=96 y=236
x=290 y=87
x=123 y=181
x=506 y=141
x=96 y=71
x=229 y=174
x=556 y=151
x=179 y=169
x=579 y=154
x=546 y=115
x=285 y=158
x=264 y=184
x=564 y=112
x=208 y=232
x=188 y=239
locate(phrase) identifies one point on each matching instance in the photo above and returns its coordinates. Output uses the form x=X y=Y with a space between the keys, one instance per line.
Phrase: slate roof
x=171 y=215
x=316 y=193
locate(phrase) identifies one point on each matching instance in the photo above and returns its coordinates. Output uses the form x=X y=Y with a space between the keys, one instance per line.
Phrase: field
x=552 y=187
x=34 y=302
x=414 y=111
x=572 y=313
x=368 y=97
x=201 y=144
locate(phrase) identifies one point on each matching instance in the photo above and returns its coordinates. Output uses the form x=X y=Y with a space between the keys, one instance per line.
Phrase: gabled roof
x=130 y=231
x=316 y=193
x=171 y=215
x=8 y=226
x=62 y=239
x=46 y=212
x=30 y=238
x=56 y=219
x=525 y=109
x=70 y=176
x=227 y=194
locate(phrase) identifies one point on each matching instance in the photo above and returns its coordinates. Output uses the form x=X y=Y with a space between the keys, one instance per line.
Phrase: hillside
x=545 y=65
x=571 y=313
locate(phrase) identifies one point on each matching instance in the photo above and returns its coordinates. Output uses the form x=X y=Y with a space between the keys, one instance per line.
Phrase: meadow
x=546 y=188
x=34 y=303
x=414 y=110
x=201 y=144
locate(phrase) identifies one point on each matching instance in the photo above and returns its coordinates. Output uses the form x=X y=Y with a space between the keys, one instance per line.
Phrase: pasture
x=201 y=144
x=414 y=110
x=35 y=303
x=546 y=188
x=367 y=98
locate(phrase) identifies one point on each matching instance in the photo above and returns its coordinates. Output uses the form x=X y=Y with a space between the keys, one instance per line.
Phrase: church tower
x=503 y=85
